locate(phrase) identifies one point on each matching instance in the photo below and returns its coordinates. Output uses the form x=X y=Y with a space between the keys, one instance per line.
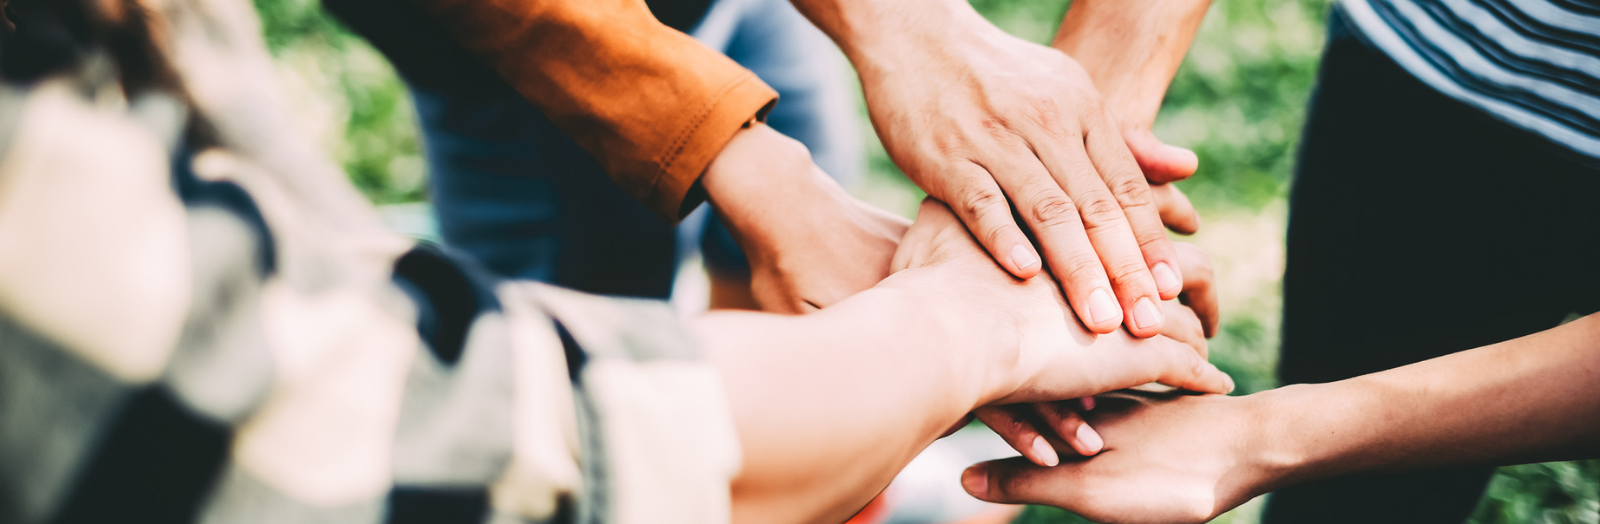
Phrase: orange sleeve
x=653 y=105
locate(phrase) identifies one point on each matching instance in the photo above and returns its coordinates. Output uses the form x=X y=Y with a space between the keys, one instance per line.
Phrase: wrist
x=972 y=340
x=887 y=36
x=765 y=187
x=1131 y=49
x=1294 y=443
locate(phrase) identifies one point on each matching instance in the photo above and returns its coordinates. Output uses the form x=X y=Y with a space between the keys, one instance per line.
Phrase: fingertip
x=976 y=480
x=1181 y=160
x=1043 y=454
x=1168 y=281
x=1088 y=441
x=1104 y=314
x=1147 y=317
x=1024 y=261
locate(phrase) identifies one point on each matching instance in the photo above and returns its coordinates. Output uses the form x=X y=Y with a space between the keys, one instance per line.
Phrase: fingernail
x=1088 y=403
x=1166 y=279
x=1023 y=257
x=976 y=480
x=1227 y=379
x=1044 y=452
x=1102 y=308
x=1090 y=439
x=1146 y=314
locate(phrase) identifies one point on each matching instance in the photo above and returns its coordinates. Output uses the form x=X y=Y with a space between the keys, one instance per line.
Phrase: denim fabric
x=513 y=191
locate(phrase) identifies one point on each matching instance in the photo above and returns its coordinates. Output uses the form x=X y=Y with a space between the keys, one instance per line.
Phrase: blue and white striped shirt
x=1532 y=63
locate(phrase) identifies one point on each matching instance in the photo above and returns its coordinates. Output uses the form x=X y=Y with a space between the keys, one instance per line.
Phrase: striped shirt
x=1532 y=63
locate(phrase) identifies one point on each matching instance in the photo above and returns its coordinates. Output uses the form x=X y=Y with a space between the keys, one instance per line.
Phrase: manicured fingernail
x=1102 y=308
x=1166 y=279
x=1044 y=452
x=1090 y=439
x=1088 y=403
x=1146 y=314
x=1023 y=257
x=976 y=480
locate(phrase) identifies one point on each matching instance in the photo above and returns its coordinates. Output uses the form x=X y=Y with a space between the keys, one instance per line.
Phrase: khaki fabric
x=652 y=104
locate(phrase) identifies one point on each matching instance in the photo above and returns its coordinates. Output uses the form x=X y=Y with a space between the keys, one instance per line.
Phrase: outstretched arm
x=829 y=406
x=1531 y=399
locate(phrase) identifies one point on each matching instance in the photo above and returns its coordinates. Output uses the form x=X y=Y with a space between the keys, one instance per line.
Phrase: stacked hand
x=1039 y=430
x=1037 y=349
x=986 y=122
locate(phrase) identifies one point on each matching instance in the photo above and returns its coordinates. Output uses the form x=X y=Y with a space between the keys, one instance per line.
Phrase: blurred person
x=1191 y=458
x=193 y=332
x=511 y=188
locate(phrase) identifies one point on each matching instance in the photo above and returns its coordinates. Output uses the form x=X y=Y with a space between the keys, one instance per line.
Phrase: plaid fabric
x=207 y=340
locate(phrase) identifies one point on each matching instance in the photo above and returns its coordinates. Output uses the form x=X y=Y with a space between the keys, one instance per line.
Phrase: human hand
x=1184 y=458
x=809 y=243
x=974 y=116
x=1038 y=430
x=1026 y=341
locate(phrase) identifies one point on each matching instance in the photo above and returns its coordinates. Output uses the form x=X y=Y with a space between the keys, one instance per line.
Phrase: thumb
x=1160 y=162
x=1016 y=481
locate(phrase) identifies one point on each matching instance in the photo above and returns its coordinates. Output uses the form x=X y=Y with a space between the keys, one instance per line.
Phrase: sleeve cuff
x=673 y=194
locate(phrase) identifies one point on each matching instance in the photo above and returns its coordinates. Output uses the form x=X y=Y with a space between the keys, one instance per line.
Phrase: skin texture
x=1190 y=458
x=1037 y=431
x=1131 y=49
x=985 y=121
x=830 y=405
x=810 y=244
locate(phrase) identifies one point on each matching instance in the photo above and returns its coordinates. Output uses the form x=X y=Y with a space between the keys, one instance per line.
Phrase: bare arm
x=1532 y=399
x=1131 y=48
x=829 y=406
x=1186 y=460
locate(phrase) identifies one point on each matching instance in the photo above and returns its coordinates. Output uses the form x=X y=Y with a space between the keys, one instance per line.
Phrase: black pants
x=1418 y=227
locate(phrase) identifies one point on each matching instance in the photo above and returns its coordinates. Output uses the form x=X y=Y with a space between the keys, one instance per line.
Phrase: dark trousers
x=1418 y=227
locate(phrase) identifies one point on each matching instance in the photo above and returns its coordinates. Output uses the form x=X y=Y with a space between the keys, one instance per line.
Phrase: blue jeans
x=517 y=194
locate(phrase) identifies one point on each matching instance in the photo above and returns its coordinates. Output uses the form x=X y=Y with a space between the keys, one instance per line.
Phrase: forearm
x=830 y=406
x=873 y=33
x=1531 y=399
x=1131 y=48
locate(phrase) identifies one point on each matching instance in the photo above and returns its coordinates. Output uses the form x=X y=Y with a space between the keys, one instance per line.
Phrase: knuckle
x=979 y=202
x=1101 y=212
x=1083 y=267
x=1197 y=366
x=1051 y=210
x=1126 y=270
x=1131 y=190
x=1152 y=239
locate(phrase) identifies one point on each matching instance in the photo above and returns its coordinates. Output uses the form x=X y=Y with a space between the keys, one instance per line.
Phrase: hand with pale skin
x=830 y=406
x=1038 y=430
x=809 y=243
x=1131 y=49
x=1191 y=458
x=984 y=121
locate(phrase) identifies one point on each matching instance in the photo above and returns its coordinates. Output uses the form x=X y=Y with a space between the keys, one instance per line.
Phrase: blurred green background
x=1238 y=101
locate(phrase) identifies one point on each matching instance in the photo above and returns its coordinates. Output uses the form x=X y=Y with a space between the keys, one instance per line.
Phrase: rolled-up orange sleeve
x=653 y=105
